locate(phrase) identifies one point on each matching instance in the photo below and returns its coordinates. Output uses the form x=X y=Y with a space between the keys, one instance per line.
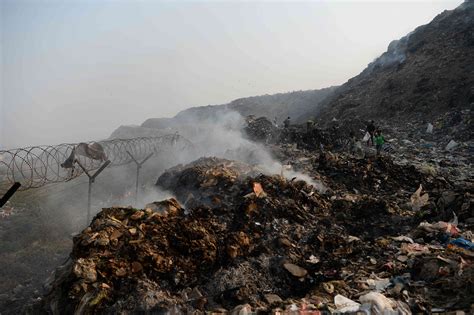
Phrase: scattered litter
x=379 y=304
x=414 y=249
x=345 y=305
x=463 y=243
x=417 y=200
x=403 y=239
x=261 y=239
x=429 y=128
x=295 y=270
x=378 y=285
x=451 y=145
x=313 y=259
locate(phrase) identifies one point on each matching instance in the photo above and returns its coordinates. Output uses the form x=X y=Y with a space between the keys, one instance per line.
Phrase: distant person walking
x=371 y=131
x=379 y=141
x=286 y=122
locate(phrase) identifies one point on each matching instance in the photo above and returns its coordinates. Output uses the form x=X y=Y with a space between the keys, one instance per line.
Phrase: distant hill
x=128 y=132
x=298 y=104
x=424 y=74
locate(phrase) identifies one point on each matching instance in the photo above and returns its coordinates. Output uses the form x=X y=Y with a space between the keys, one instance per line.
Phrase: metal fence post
x=9 y=193
x=91 y=181
x=139 y=166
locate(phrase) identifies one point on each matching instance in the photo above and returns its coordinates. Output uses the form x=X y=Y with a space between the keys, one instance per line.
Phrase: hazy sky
x=75 y=70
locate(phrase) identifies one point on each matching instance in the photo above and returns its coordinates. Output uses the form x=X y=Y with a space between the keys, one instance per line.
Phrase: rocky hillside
x=426 y=73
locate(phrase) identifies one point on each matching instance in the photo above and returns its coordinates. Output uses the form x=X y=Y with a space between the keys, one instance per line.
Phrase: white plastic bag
x=358 y=151
x=429 y=128
x=366 y=137
x=379 y=303
x=451 y=145
x=344 y=304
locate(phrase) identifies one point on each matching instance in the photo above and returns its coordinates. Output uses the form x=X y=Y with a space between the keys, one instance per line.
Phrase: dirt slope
x=425 y=73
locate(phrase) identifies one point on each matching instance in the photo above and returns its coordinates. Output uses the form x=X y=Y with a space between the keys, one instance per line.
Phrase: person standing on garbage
x=379 y=141
x=286 y=122
x=371 y=130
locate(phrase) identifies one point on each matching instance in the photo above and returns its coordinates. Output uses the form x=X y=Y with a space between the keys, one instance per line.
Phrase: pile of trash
x=389 y=179
x=455 y=124
x=333 y=135
x=241 y=241
x=307 y=139
x=260 y=129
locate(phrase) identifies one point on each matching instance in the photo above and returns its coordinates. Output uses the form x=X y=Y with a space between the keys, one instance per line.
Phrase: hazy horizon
x=76 y=70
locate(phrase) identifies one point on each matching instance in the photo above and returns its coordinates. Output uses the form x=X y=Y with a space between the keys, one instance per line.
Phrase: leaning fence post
x=91 y=181
x=139 y=166
x=9 y=193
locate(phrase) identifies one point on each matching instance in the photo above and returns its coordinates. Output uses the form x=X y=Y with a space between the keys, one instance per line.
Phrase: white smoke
x=221 y=135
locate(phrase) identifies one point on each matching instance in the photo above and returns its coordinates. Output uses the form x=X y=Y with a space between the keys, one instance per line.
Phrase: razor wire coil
x=37 y=166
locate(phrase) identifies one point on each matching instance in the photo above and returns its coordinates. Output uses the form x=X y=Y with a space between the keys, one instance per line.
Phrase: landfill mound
x=248 y=241
x=277 y=106
x=425 y=73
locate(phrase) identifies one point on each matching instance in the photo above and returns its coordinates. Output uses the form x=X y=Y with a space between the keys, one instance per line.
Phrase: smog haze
x=75 y=70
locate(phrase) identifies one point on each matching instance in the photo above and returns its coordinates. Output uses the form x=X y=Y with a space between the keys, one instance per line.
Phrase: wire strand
x=37 y=166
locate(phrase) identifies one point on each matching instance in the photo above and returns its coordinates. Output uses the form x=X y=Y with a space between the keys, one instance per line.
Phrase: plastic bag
x=418 y=200
x=379 y=303
x=451 y=145
x=429 y=128
x=463 y=243
x=366 y=137
x=358 y=151
x=344 y=304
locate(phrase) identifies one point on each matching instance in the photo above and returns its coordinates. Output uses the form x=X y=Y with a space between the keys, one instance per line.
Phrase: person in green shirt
x=379 y=141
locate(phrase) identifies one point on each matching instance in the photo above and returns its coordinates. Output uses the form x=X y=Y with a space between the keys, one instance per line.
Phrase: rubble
x=237 y=240
x=260 y=129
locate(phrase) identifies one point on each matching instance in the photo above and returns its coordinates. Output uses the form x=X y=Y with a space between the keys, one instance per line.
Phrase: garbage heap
x=449 y=186
x=306 y=139
x=455 y=125
x=241 y=241
x=309 y=137
x=260 y=129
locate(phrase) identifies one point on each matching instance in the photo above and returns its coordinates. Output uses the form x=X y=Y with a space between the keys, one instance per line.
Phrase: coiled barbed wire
x=37 y=166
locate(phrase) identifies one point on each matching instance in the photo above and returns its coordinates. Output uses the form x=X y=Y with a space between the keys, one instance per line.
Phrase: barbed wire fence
x=37 y=166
